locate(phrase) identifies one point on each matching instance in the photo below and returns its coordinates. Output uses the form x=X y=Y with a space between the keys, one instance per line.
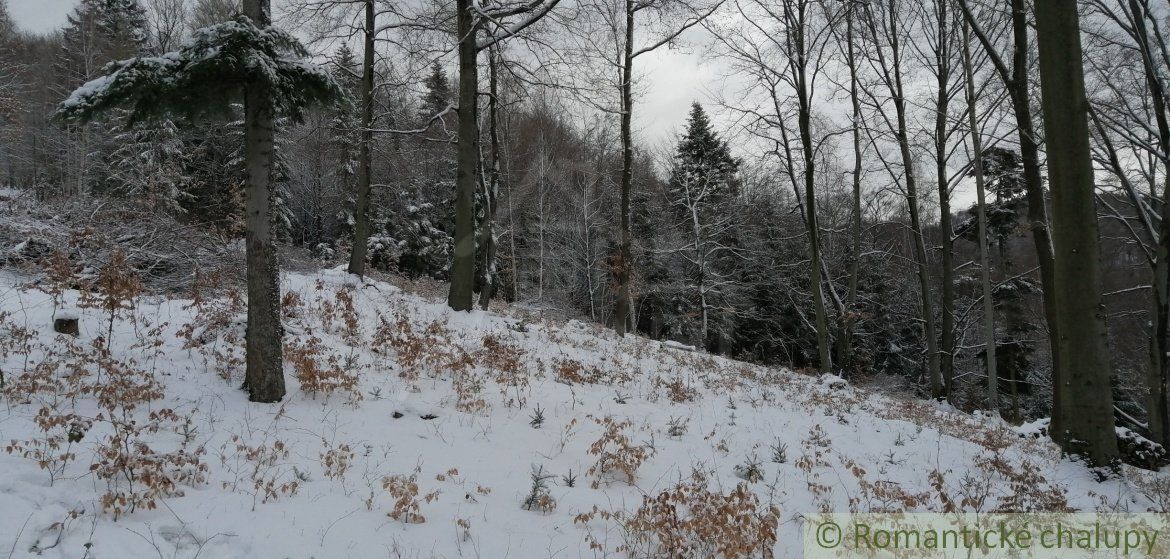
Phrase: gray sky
x=673 y=79
x=40 y=16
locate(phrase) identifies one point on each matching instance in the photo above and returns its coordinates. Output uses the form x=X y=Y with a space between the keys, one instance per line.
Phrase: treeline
x=834 y=226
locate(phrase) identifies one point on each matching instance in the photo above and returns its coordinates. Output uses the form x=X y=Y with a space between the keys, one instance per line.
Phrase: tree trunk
x=361 y=210
x=1016 y=84
x=701 y=260
x=264 y=377
x=625 y=252
x=804 y=121
x=899 y=100
x=462 y=290
x=845 y=338
x=984 y=257
x=1087 y=402
x=488 y=233
x=942 y=104
x=1034 y=189
x=1158 y=409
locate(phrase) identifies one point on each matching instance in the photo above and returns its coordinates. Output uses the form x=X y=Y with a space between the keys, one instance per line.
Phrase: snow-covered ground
x=445 y=435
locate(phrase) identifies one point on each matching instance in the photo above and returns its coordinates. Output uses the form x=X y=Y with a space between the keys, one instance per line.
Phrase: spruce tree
x=438 y=95
x=701 y=155
x=207 y=75
x=417 y=223
x=101 y=31
x=344 y=136
x=702 y=186
x=97 y=32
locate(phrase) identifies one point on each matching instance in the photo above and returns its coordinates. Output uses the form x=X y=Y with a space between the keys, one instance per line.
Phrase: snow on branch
x=535 y=10
x=206 y=75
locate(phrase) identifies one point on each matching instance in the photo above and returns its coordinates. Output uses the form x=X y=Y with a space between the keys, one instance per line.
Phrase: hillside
x=414 y=431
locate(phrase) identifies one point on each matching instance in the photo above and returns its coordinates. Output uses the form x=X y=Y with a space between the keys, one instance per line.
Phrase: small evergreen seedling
x=677 y=427
x=780 y=452
x=537 y=417
x=569 y=479
x=539 y=497
x=750 y=471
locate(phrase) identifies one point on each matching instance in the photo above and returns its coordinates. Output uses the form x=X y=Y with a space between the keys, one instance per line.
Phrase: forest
x=229 y=226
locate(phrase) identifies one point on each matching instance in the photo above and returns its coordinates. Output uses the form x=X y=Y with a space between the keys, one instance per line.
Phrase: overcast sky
x=673 y=79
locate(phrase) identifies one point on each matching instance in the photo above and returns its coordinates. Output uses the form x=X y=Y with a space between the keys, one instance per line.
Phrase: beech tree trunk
x=1158 y=409
x=1034 y=191
x=942 y=105
x=264 y=377
x=984 y=256
x=491 y=187
x=361 y=209
x=804 y=122
x=625 y=257
x=1087 y=402
x=1015 y=80
x=462 y=290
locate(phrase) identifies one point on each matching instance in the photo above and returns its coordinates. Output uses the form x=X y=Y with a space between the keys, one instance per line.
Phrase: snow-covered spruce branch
x=206 y=75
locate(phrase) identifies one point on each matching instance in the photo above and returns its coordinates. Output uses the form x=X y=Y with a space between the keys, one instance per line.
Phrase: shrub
x=505 y=361
x=405 y=492
x=677 y=390
x=615 y=452
x=316 y=378
x=690 y=521
x=259 y=470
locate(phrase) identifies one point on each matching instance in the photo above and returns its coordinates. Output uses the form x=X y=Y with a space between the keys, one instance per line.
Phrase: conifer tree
x=343 y=128
x=418 y=220
x=438 y=95
x=97 y=32
x=701 y=155
x=248 y=56
x=702 y=186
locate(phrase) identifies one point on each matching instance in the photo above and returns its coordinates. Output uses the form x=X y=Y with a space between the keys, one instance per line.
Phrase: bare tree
x=495 y=23
x=1016 y=80
x=981 y=202
x=1132 y=122
x=361 y=210
x=885 y=22
x=782 y=48
x=846 y=319
x=168 y=19
x=211 y=12
x=627 y=30
x=938 y=50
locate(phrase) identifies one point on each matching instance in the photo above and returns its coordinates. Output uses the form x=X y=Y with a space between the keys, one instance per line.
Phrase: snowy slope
x=455 y=421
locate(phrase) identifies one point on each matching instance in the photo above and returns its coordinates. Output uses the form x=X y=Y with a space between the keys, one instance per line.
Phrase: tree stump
x=67 y=323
